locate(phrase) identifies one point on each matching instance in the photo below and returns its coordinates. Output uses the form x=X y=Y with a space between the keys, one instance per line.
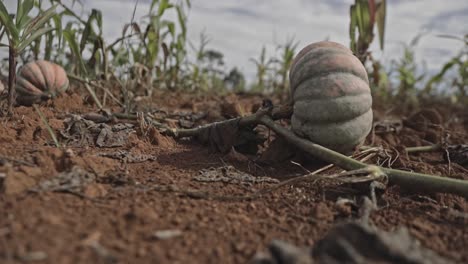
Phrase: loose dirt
x=141 y=211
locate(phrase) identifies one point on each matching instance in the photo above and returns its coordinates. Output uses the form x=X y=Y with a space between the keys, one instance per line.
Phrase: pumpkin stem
x=11 y=78
x=406 y=179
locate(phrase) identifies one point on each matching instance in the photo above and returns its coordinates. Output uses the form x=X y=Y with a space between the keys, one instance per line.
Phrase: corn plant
x=460 y=63
x=49 y=45
x=407 y=74
x=282 y=65
x=365 y=14
x=21 y=30
x=197 y=77
x=263 y=67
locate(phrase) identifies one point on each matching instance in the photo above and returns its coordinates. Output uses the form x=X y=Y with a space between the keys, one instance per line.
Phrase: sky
x=240 y=28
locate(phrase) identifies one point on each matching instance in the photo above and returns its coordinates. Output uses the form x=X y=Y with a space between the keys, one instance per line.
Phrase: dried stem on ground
x=406 y=179
x=236 y=198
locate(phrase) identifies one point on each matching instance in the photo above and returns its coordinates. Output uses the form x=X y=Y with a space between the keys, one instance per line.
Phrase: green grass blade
x=22 y=11
x=9 y=24
x=153 y=4
x=38 y=22
x=163 y=6
x=182 y=19
x=69 y=36
x=58 y=26
x=380 y=19
x=352 y=28
x=26 y=42
x=48 y=127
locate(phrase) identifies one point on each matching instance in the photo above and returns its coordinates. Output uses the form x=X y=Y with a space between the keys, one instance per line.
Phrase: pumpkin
x=38 y=81
x=332 y=103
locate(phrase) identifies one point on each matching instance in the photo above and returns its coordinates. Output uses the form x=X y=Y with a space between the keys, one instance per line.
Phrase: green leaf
x=26 y=41
x=170 y=26
x=98 y=18
x=22 y=11
x=58 y=26
x=69 y=36
x=380 y=19
x=163 y=6
x=438 y=77
x=366 y=21
x=9 y=24
x=85 y=36
x=359 y=17
x=39 y=21
x=182 y=19
x=153 y=3
x=24 y=22
x=352 y=28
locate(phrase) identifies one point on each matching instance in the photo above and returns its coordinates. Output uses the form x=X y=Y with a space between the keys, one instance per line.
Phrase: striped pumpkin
x=40 y=80
x=331 y=96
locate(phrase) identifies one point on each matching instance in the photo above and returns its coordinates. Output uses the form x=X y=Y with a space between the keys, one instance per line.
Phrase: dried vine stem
x=254 y=119
x=406 y=179
x=373 y=170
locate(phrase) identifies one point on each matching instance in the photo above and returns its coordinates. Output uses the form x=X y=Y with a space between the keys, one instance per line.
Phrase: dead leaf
x=457 y=154
x=72 y=180
x=83 y=132
x=128 y=157
x=229 y=174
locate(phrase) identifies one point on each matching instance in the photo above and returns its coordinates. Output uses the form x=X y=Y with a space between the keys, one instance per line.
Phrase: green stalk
x=423 y=148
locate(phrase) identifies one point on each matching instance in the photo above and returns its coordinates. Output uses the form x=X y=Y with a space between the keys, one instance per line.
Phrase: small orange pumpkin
x=39 y=81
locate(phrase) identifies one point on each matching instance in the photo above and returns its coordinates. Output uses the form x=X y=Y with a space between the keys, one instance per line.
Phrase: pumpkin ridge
x=340 y=136
x=25 y=87
x=33 y=73
x=317 y=54
x=324 y=111
x=47 y=73
x=327 y=73
x=54 y=92
x=336 y=86
x=334 y=83
x=61 y=80
x=315 y=67
x=314 y=46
